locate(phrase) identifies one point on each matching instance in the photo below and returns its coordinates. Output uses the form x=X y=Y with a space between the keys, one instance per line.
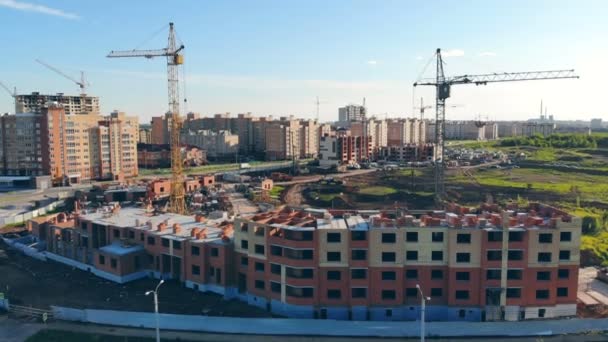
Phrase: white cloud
x=487 y=54
x=372 y=62
x=453 y=53
x=29 y=7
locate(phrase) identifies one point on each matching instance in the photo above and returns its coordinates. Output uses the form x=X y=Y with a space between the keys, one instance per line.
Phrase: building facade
x=145 y=134
x=344 y=150
x=309 y=139
x=69 y=148
x=352 y=113
x=219 y=145
x=481 y=264
x=34 y=102
x=409 y=152
x=282 y=138
x=21 y=150
x=490 y=266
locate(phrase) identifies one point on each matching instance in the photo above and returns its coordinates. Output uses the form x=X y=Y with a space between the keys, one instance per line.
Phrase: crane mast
x=177 y=203
x=443 y=87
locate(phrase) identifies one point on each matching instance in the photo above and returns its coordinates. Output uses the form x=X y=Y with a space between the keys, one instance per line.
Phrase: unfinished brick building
x=486 y=264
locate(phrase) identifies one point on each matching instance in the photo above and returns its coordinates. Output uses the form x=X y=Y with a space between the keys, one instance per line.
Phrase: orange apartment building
x=70 y=148
x=477 y=264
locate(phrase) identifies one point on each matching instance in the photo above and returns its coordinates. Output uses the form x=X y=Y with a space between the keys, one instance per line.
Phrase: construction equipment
x=318 y=104
x=82 y=84
x=422 y=108
x=174 y=59
x=443 y=87
x=13 y=93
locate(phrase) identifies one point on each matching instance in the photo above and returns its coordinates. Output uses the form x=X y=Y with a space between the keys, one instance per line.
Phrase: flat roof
x=137 y=218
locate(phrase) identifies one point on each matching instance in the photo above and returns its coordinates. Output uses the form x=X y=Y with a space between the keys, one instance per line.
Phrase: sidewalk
x=17 y=331
x=332 y=328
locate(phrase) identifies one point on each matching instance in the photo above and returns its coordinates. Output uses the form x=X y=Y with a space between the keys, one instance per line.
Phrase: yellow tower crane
x=177 y=203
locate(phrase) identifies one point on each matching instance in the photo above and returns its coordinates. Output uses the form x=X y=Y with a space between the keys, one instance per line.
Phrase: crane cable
x=426 y=66
x=153 y=35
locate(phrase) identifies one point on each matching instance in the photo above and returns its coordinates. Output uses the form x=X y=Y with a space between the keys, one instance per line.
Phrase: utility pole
x=423 y=300
x=155 y=292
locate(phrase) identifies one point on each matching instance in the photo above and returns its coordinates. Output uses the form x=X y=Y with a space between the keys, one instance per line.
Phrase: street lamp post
x=422 y=310
x=155 y=292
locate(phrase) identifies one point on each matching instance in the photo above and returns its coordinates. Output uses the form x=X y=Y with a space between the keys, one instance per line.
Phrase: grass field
x=212 y=168
x=586 y=187
x=276 y=191
x=377 y=191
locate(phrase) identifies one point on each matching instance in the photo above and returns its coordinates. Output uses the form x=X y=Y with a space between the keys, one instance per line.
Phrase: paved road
x=17 y=331
x=193 y=336
x=312 y=179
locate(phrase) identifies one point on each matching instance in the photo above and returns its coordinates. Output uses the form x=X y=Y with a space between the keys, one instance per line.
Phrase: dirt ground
x=293 y=195
x=30 y=282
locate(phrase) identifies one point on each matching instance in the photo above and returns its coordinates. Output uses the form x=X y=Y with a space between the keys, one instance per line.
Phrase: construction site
x=353 y=232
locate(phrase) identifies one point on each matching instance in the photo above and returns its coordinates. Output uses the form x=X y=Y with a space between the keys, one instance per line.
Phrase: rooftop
x=536 y=216
x=216 y=228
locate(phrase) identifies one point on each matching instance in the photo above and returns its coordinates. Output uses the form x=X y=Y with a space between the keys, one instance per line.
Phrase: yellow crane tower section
x=177 y=203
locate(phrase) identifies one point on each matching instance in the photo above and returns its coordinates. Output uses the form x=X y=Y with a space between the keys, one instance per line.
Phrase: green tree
x=590 y=225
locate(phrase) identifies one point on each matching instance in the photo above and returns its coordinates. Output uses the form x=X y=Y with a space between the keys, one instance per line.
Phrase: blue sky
x=275 y=56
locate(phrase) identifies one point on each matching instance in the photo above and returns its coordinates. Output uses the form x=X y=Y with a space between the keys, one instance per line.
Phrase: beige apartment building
x=221 y=144
x=309 y=139
x=283 y=139
x=405 y=131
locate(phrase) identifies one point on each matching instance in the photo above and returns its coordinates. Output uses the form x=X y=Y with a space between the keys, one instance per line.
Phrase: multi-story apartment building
x=488 y=266
x=34 y=102
x=508 y=129
x=465 y=130
x=218 y=144
x=161 y=129
x=155 y=156
x=405 y=131
x=596 y=123
x=409 y=152
x=475 y=264
x=282 y=138
x=344 y=150
x=69 y=148
x=21 y=141
x=352 y=113
x=309 y=139
x=145 y=134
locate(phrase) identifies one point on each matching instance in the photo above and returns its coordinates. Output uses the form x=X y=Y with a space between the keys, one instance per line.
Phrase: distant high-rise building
x=34 y=102
x=161 y=129
x=218 y=145
x=309 y=139
x=145 y=134
x=596 y=124
x=283 y=139
x=21 y=145
x=352 y=113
